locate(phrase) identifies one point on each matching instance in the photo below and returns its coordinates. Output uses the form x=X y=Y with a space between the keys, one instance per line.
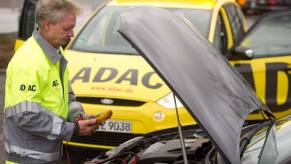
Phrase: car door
x=263 y=57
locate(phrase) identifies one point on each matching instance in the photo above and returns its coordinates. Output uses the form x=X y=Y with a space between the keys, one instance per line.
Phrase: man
x=40 y=107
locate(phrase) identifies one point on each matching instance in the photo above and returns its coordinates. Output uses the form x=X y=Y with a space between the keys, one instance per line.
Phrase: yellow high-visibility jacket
x=39 y=105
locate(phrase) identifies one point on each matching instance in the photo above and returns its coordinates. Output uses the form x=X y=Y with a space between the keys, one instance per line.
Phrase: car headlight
x=168 y=101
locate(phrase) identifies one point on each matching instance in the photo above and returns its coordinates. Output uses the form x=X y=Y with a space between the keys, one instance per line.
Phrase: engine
x=162 y=148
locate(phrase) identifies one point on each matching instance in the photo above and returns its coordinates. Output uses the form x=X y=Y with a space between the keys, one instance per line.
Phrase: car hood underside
x=211 y=90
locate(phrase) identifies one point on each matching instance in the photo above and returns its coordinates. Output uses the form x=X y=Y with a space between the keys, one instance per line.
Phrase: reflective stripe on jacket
x=38 y=103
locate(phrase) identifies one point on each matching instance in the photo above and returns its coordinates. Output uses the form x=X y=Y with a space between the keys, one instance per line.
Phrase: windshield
x=100 y=34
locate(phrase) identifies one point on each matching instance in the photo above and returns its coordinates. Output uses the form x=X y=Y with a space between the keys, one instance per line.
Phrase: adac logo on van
x=105 y=74
x=271 y=84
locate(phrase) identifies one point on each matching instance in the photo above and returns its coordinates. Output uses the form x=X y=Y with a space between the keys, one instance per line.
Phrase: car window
x=270 y=37
x=100 y=34
x=235 y=19
x=220 y=38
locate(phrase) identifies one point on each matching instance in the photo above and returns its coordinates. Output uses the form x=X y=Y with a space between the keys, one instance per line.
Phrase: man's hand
x=88 y=116
x=87 y=127
x=83 y=117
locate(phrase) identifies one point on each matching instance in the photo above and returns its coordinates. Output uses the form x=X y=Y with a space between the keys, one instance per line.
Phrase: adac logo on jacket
x=55 y=83
x=30 y=87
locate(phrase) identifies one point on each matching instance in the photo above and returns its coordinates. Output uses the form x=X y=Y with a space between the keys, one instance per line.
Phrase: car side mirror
x=242 y=53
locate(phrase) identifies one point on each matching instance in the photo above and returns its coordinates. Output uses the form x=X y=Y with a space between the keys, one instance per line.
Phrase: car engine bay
x=162 y=148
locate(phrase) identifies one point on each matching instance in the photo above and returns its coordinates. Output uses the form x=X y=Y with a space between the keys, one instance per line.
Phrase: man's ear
x=46 y=25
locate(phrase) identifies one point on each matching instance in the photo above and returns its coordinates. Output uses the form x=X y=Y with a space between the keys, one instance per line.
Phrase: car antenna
x=180 y=133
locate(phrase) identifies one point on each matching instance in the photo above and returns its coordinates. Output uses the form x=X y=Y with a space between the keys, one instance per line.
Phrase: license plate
x=115 y=126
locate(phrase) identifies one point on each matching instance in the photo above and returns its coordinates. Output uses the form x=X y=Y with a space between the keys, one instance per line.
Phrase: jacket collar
x=53 y=54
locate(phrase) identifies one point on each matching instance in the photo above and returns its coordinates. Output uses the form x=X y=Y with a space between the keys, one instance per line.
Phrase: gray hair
x=53 y=10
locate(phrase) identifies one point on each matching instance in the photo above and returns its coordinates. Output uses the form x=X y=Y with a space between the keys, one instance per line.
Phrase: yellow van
x=107 y=73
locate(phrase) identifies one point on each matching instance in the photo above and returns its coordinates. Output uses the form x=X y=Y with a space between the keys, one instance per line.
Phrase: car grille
x=109 y=101
x=104 y=138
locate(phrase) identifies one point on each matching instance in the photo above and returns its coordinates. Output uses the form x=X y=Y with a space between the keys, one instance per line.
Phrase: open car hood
x=213 y=92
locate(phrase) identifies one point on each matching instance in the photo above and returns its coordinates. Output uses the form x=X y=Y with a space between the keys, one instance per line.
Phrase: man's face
x=59 y=34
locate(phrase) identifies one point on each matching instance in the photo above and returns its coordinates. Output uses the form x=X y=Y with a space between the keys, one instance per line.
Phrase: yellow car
x=107 y=73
